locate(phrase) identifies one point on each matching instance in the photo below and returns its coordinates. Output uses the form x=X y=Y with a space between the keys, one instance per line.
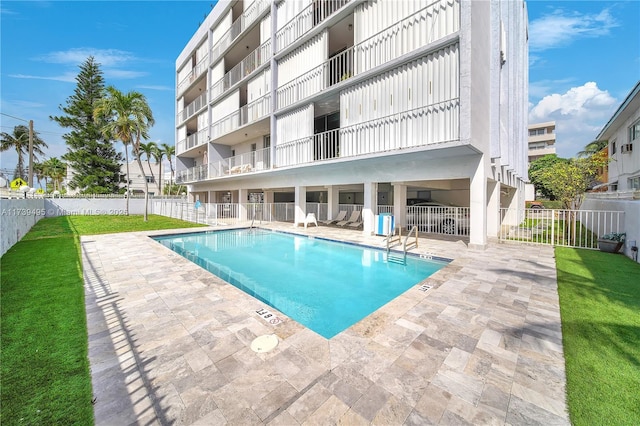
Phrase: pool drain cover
x=264 y=343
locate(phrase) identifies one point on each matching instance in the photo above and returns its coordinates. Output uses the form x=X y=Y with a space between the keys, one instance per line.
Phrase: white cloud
x=152 y=87
x=561 y=28
x=67 y=77
x=579 y=114
x=76 y=56
x=123 y=74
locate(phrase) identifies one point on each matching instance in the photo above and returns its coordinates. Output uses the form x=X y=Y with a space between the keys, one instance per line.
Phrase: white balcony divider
x=245 y=67
x=200 y=67
x=568 y=228
x=238 y=26
x=431 y=124
x=199 y=138
x=439 y=220
x=242 y=116
x=304 y=21
x=192 y=108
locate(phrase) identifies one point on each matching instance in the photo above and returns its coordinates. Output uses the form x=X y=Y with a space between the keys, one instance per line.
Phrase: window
x=150 y=179
x=267 y=141
x=634 y=182
x=634 y=131
x=253 y=147
x=613 y=147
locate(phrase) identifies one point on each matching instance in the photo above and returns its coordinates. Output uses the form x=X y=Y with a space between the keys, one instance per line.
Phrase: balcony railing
x=193 y=75
x=245 y=67
x=196 y=139
x=238 y=26
x=192 y=108
x=242 y=116
x=388 y=44
x=304 y=21
x=432 y=124
x=243 y=163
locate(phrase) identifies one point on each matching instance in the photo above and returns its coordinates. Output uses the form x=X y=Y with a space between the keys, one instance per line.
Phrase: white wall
x=18 y=216
x=624 y=165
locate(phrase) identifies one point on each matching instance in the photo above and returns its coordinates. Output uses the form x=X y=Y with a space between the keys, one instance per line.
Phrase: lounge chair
x=341 y=215
x=311 y=218
x=355 y=216
x=356 y=224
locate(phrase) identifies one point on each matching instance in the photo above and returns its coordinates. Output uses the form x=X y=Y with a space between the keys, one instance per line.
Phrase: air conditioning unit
x=626 y=147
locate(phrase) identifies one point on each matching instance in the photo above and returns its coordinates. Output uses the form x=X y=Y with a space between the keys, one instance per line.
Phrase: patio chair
x=355 y=216
x=356 y=224
x=311 y=218
x=341 y=215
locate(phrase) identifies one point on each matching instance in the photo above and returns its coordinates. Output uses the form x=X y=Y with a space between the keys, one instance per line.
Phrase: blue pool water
x=324 y=285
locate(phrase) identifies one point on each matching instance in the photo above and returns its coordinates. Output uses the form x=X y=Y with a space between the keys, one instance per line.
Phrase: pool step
x=402 y=260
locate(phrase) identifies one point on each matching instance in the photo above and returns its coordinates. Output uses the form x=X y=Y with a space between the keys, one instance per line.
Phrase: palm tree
x=169 y=151
x=158 y=154
x=56 y=170
x=149 y=150
x=38 y=171
x=19 y=140
x=128 y=117
x=593 y=148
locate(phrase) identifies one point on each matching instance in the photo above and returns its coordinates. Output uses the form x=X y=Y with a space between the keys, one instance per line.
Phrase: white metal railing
x=319 y=209
x=192 y=174
x=242 y=163
x=245 y=67
x=385 y=209
x=199 y=138
x=390 y=43
x=304 y=21
x=244 y=115
x=432 y=124
x=570 y=228
x=238 y=26
x=439 y=219
x=192 y=108
x=193 y=75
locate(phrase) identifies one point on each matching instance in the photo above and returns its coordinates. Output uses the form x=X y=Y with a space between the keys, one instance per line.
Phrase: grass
x=43 y=363
x=600 y=307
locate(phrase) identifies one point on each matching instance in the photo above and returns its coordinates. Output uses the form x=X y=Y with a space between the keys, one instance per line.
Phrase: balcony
x=245 y=67
x=423 y=126
x=391 y=43
x=196 y=72
x=242 y=116
x=304 y=21
x=238 y=26
x=192 y=108
x=240 y=164
x=192 y=141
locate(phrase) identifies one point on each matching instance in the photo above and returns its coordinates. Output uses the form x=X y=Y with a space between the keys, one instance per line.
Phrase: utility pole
x=30 y=153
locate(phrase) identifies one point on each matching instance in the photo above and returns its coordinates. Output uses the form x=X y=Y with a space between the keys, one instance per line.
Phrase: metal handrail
x=391 y=237
x=406 y=240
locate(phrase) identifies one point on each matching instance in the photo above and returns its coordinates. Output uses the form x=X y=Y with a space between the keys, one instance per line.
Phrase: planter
x=610 y=246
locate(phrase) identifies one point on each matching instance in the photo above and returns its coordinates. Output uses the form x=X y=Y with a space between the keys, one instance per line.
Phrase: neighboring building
x=349 y=102
x=623 y=133
x=137 y=177
x=542 y=140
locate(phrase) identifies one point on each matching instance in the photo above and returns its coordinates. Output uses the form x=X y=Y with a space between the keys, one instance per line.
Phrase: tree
x=568 y=180
x=91 y=155
x=169 y=151
x=128 y=117
x=593 y=148
x=149 y=150
x=158 y=155
x=19 y=140
x=542 y=164
x=56 y=170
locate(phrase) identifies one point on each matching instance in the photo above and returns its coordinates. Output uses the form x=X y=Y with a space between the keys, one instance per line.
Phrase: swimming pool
x=325 y=285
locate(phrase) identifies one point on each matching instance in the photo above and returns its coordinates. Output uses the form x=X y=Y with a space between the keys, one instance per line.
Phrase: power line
x=17 y=118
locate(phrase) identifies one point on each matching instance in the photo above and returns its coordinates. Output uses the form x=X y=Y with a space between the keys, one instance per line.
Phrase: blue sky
x=584 y=59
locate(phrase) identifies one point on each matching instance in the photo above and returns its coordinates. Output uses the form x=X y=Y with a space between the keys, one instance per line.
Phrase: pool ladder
x=405 y=245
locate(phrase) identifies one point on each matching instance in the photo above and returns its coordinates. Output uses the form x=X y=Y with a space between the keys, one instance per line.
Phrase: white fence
x=569 y=228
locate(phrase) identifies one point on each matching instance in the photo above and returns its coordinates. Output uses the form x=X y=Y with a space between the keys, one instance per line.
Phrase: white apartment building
x=623 y=133
x=150 y=172
x=542 y=140
x=357 y=102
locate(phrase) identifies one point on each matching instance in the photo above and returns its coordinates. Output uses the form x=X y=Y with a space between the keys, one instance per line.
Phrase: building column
x=242 y=204
x=493 y=208
x=478 y=207
x=370 y=208
x=300 y=205
x=400 y=204
x=333 y=201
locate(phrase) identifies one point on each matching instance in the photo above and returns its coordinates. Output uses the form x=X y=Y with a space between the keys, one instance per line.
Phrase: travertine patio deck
x=169 y=343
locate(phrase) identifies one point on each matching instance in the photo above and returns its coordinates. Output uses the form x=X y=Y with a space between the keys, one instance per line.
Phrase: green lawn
x=600 y=307
x=43 y=364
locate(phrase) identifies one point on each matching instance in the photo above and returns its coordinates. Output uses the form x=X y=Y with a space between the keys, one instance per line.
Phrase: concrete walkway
x=169 y=343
